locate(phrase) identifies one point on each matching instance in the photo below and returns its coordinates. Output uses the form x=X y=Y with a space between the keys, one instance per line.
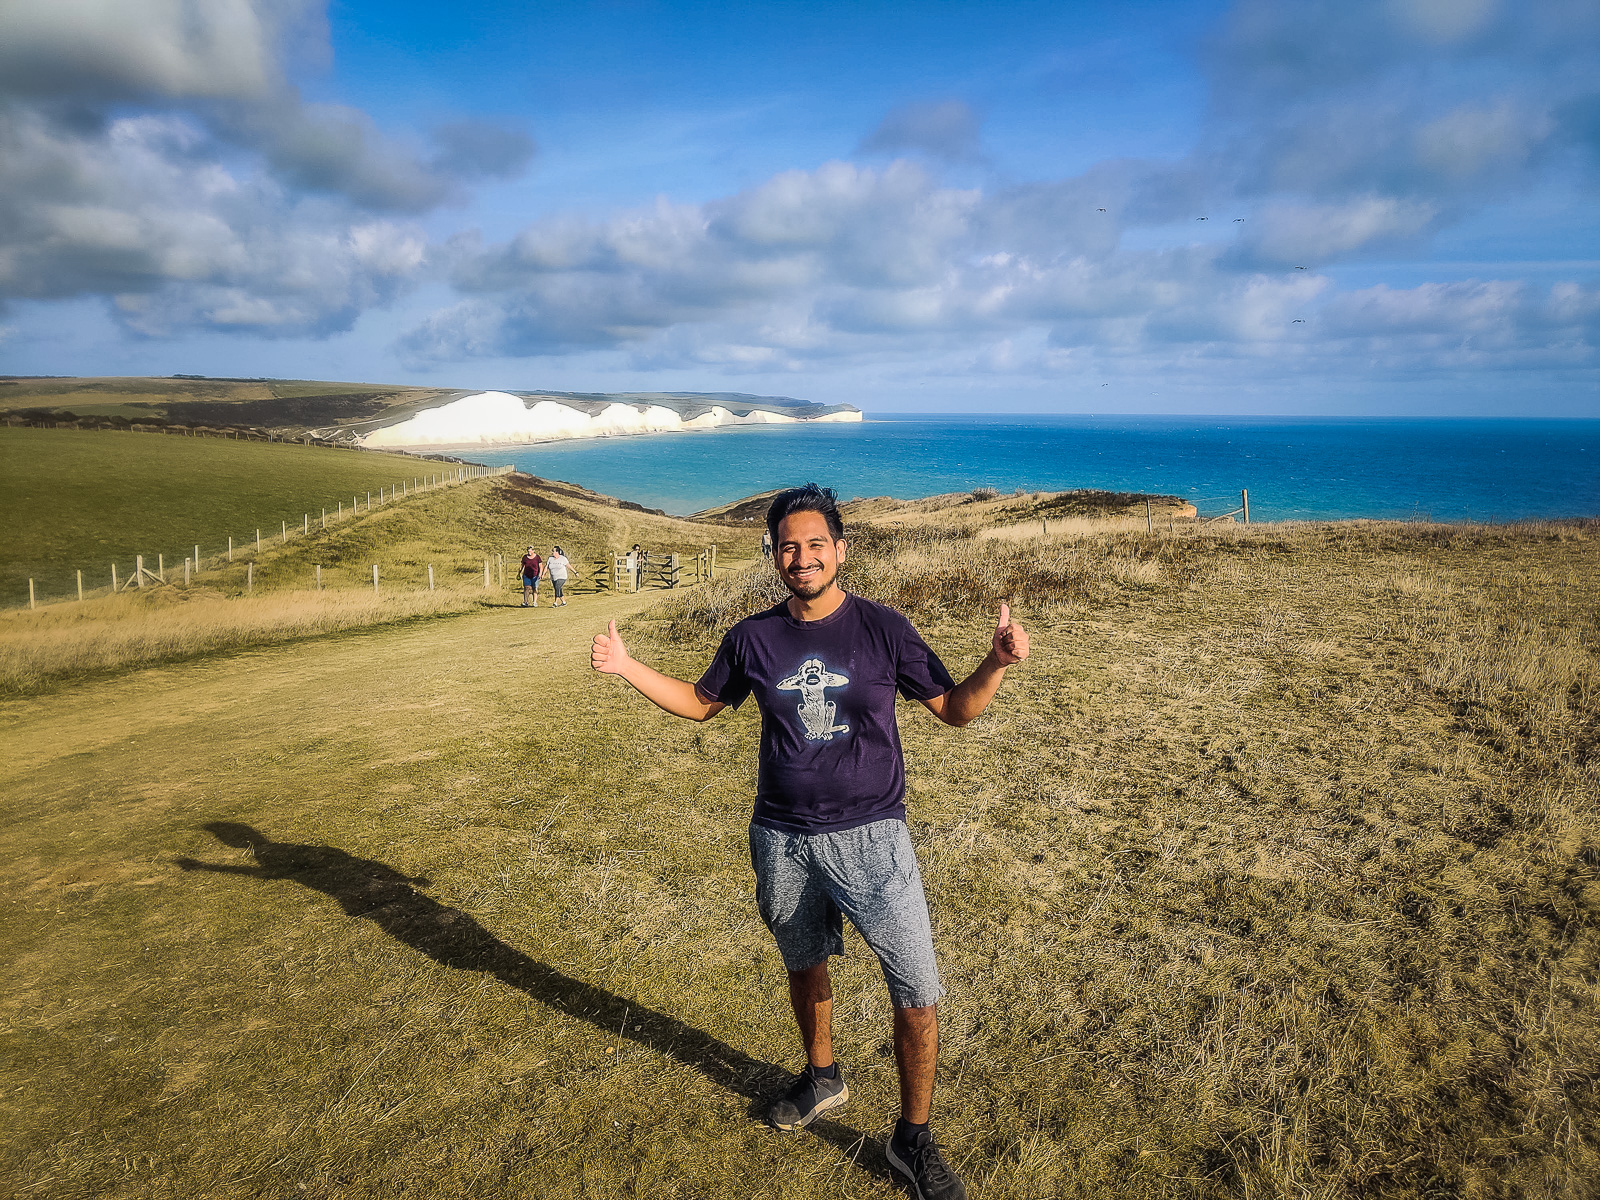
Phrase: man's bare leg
x=811 y=993
x=821 y=1086
x=916 y=1056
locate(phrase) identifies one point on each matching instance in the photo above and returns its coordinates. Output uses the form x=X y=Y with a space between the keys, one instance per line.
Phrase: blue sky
x=1356 y=207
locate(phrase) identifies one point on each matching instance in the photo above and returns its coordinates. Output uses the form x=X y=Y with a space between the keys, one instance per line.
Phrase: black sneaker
x=806 y=1100
x=921 y=1163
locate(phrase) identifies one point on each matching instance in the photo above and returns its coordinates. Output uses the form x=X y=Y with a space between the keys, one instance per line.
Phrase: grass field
x=451 y=529
x=81 y=500
x=1275 y=872
x=133 y=396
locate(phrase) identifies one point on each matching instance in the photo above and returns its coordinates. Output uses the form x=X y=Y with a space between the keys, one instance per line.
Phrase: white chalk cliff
x=500 y=418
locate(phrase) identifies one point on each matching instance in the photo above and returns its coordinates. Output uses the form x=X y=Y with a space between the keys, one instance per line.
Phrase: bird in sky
x=1102 y=210
x=1199 y=218
x=1236 y=220
x=1105 y=385
x=1299 y=268
x=1298 y=321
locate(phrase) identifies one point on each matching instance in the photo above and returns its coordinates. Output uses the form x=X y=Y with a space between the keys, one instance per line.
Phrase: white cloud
x=1290 y=234
x=155 y=153
x=179 y=240
x=129 y=48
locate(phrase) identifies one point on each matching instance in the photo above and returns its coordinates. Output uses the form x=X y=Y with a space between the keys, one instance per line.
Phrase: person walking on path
x=637 y=559
x=532 y=567
x=558 y=565
x=766 y=544
x=828 y=837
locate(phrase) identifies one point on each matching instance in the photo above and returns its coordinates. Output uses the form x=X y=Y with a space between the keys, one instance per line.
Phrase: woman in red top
x=532 y=568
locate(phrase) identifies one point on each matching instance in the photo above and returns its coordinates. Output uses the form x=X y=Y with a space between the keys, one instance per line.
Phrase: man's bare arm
x=963 y=703
x=676 y=696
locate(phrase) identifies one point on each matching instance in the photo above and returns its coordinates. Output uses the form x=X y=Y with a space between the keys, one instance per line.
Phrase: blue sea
x=1295 y=469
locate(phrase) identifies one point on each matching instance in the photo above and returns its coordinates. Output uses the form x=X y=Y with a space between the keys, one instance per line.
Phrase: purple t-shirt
x=830 y=749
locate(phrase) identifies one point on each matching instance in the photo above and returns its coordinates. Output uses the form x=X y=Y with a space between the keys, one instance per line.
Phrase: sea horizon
x=1296 y=467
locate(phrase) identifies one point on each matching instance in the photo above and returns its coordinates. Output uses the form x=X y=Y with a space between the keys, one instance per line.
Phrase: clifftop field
x=1274 y=872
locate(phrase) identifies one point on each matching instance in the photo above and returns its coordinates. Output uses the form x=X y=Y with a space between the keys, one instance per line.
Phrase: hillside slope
x=1272 y=872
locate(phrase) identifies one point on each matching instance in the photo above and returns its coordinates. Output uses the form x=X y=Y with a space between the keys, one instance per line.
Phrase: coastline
x=1297 y=469
x=502 y=419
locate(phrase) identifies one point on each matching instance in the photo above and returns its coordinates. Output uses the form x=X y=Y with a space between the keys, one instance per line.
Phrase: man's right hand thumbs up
x=608 y=653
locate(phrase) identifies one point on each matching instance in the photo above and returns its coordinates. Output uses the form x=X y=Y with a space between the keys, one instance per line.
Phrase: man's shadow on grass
x=389 y=900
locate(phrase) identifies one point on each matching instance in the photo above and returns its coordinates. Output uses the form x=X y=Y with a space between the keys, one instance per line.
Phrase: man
x=532 y=566
x=828 y=836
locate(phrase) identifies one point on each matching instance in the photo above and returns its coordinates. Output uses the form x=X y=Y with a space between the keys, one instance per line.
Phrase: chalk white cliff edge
x=501 y=418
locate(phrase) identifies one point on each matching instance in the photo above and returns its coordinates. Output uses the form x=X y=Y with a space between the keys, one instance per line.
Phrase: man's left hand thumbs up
x=1010 y=639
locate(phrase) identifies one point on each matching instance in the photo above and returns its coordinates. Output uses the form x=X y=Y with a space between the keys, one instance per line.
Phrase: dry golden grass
x=125 y=632
x=1275 y=872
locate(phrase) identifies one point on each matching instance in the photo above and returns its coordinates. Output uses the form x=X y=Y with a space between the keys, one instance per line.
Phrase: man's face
x=807 y=557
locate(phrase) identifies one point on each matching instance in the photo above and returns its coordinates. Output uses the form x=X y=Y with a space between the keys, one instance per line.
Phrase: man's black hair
x=810 y=498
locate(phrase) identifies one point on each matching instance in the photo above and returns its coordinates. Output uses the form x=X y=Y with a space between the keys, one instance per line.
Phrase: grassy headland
x=155 y=494
x=1275 y=871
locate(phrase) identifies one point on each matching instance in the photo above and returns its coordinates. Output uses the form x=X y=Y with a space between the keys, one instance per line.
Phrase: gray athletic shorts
x=807 y=883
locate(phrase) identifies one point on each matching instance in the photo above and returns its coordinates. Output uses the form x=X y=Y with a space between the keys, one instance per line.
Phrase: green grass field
x=84 y=499
x=1275 y=872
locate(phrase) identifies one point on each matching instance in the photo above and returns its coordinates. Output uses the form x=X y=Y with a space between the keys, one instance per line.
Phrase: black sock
x=905 y=1132
x=831 y=1071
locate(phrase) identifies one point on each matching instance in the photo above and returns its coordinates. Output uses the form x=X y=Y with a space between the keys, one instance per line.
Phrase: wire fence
x=228 y=551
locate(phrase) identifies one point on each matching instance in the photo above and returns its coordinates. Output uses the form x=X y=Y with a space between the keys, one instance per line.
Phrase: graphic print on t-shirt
x=815 y=709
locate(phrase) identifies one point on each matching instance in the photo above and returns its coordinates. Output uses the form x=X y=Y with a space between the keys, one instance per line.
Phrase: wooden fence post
x=369 y=501
x=283 y=533
x=138 y=571
x=230 y=549
x=672 y=570
x=161 y=567
x=430 y=577
x=324 y=518
x=197 y=556
x=80 y=587
x=1244 y=503
x=113 y=578
x=374 y=578
x=186 y=572
x=1148 y=526
x=258 y=541
x=319 y=577
x=250 y=577
x=30 y=594
x=305 y=524
x=486 y=584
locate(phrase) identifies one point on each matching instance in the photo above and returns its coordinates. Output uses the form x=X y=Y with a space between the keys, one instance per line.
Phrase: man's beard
x=809 y=591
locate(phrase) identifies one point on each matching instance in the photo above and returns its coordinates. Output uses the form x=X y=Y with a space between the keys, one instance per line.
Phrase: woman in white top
x=558 y=565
